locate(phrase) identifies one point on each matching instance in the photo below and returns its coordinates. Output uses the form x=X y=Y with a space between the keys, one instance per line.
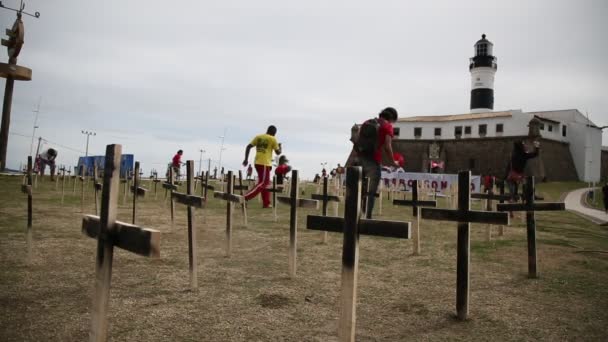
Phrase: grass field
x=46 y=296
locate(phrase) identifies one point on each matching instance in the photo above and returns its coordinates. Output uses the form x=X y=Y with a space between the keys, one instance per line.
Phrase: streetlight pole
x=37 y=111
x=88 y=134
x=222 y=149
x=200 y=162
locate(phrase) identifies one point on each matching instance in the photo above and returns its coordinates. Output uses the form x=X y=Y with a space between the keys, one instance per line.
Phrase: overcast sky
x=158 y=76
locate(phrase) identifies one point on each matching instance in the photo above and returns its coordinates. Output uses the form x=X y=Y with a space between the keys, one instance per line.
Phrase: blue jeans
x=371 y=170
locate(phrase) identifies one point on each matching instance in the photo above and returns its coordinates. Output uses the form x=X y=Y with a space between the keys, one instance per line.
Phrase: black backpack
x=366 y=142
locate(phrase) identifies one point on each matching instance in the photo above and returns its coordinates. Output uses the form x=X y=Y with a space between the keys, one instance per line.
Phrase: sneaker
x=267 y=207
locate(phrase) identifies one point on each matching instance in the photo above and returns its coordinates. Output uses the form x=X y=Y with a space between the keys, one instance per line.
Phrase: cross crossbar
x=169 y=186
x=229 y=197
x=301 y=202
x=491 y=196
x=432 y=203
x=141 y=192
x=328 y=198
x=191 y=200
x=471 y=216
x=394 y=229
x=141 y=241
x=550 y=206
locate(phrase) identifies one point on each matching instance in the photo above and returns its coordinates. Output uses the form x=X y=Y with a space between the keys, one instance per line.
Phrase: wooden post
x=416 y=205
x=243 y=205
x=62 y=184
x=489 y=197
x=74 y=183
x=82 y=188
x=27 y=189
x=110 y=233
x=172 y=204
x=463 y=215
x=230 y=198
x=274 y=197
x=352 y=226
x=501 y=189
x=191 y=201
x=325 y=198
x=530 y=208
x=97 y=187
x=135 y=187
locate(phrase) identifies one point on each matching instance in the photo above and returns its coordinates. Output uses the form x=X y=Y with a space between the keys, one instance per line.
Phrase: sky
x=158 y=76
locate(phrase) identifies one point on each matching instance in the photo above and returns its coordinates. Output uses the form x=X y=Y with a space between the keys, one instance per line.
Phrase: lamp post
x=222 y=148
x=37 y=111
x=88 y=134
x=200 y=162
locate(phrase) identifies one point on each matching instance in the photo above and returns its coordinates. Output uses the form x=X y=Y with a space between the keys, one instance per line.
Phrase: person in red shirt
x=176 y=163
x=282 y=169
x=371 y=163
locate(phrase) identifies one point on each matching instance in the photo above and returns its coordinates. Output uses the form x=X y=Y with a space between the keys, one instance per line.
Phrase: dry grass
x=249 y=297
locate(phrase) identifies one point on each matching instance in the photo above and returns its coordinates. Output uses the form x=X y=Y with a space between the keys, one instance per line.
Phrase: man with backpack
x=374 y=137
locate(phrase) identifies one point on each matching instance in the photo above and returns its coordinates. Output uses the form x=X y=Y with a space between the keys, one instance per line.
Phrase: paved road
x=573 y=203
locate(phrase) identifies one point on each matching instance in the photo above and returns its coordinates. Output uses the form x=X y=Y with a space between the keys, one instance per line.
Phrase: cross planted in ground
x=464 y=216
x=530 y=208
x=416 y=204
x=325 y=198
x=111 y=233
x=352 y=225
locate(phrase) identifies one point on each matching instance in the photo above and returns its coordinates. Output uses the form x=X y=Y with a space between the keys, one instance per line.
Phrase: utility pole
x=200 y=162
x=37 y=111
x=222 y=149
x=88 y=134
x=11 y=71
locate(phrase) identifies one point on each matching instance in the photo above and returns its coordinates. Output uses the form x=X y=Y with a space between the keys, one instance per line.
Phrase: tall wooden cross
x=325 y=198
x=27 y=189
x=230 y=198
x=169 y=186
x=464 y=216
x=111 y=233
x=241 y=187
x=274 y=190
x=294 y=203
x=488 y=207
x=530 y=208
x=352 y=225
x=192 y=202
x=416 y=205
x=62 y=183
x=137 y=190
x=97 y=187
x=205 y=186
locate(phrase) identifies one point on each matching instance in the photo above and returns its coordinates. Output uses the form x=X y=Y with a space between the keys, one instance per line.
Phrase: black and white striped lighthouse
x=482 y=67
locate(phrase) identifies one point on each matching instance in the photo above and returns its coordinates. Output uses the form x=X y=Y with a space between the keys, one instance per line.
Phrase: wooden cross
x=74 y=183
x=489 y=197
x=27 y=189
x=530 y=208
x=111 y=233
x=274 y=190
x=192 y=202
x=352 y=225
x=294 y=203
x=137 y=190
x=416 y=205
x=62 y=183
x=170 y=187
x=205 y=186
x=230 y=198
x=97 y=186
x=325 y=198
x=464 y=216
x=82 y=170
x=155 y=180
x=242 y=188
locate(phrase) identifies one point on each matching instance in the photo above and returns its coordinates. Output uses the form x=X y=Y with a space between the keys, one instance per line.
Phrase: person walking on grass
x=264 y=144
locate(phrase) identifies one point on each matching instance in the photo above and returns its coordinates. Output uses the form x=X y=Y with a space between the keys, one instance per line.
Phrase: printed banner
x=439 y=181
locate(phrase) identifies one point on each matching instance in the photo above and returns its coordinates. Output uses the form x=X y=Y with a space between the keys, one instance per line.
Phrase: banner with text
x=439 y=181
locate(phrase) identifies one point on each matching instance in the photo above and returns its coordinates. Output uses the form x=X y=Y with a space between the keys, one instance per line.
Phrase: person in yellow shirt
x=264 y=144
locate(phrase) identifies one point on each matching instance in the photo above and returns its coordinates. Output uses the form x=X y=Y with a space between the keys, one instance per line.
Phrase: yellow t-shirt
x=264 y=145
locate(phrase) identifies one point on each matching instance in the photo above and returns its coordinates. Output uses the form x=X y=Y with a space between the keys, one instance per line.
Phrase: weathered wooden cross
x=205 y=186
x=62 y=183
x=530 y=208
x=97 y=187
x=230 y=198
x=137 y=190
x=488 y=207
x=464 y=216
x=191 y=202
x=352 y=225
x=242 y=189
x=111 y=233
x=274 y=190
x=416 y=205
x=295 y=202
x=325 y=198
x=82 y=170
x=169 y=186
x=27 y=189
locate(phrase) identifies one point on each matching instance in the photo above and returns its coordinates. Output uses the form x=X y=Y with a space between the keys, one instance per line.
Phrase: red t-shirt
x=386 y=128
x=177 y=159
